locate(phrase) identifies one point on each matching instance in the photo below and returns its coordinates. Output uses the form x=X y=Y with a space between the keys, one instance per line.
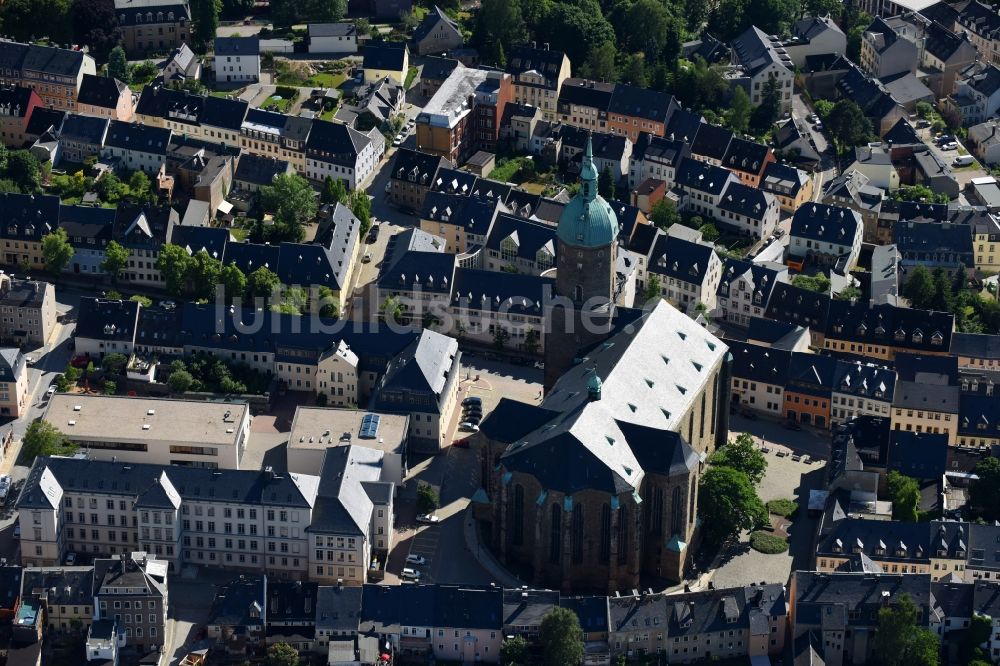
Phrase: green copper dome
x=587 y=220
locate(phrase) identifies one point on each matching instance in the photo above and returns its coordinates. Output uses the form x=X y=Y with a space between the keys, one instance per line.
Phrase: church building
x=598 y=485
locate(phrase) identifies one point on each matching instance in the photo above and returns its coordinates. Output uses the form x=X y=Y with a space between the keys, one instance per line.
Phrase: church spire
x=588 y=172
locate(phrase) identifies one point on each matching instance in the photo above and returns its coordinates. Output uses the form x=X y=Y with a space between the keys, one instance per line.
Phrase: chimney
x=546 y=46
x=534 y=45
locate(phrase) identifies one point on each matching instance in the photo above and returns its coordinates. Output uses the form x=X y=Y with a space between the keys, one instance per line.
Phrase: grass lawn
x=410 y=75
x=767 y=543
x=328 y=115
x=785 y=508
x=239 y=233
x=283 y=104
x=534 y=188
x=317 y=80
x=507 y=168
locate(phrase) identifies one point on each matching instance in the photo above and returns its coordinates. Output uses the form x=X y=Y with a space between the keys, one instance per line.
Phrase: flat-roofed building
x=315 y=429
x=153 y=430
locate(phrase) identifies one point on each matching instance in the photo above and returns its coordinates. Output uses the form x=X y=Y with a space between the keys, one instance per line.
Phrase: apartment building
x=655 y=158
x=153 y=25
x=105 y=97
x=27 y=310
x=142 y=230
x=17 y=103
x=759 y=59
x=137 y=147
x=748 y=210
x=826 y=236
x=411 y=177
x=759 y=377
x=237 y=59
x=446 y=126
x=385 y=59
x=54 y=74
x=66 y=594
x=745 y=289
x=193 y=433
x=689 y=272
x=342 y=153
x=24 y=220
x=135 y=582
x=927 y=395
x=271 y=134
x=239 y=520
x=861 y=389
x=883 y=331
x=538 y=77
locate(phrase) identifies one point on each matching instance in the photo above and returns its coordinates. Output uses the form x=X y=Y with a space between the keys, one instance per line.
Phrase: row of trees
x=204 y=372
x=936 y=291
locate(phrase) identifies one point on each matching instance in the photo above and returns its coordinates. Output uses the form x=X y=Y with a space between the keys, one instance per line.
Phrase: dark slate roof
x=180 y=10
x=87 y=225
x=438 y=69
x=107 y=320
x=711 y=141
x=139 y=137
x=237 y=46
x=338 y=608
x=603 y=144
x=42 y=59
x=133 y=480
x=769 y=332
x=384 y=55
x=984 y=546
x=650 y=146
x=853 y=534
x=420 y=167
x=24 y=293
x=88 y=129
x=760 y=363
x=143 y=226
x=522 y=58
x=975 y=345
x=466 y=607
x=224 y=113
x=883 y=324
x=930 y=241
x=680 y=259
x=864 y=379
x=420 y=370
x=12 y=364
x=526 y=608
x=342 y=141
x=15 y=99
x=684 y=126
x=763 y=278
x=919 y=455
x=941 y=42
x=798 y=306
x=516 y=294
x=512 y=420
x=233 y=603
x=454 y=181
x=160 y=102
x=591 y=611
x=825 y=223
x=835 y=601
x=628 y=219
x=341 y=29
x=979 y=415
x=811 y=373
x=744 y=200
x=714 y=611
x=902 y=134
x=746 y=156
x=259 y=170
x=584 y=92
x=63 y=585
x=653 y=105
x=195 y=239
x=431 y=21
x=531 y=235
x=697 y=175
x=783 y=179
x=43 y=120
x=100 y=91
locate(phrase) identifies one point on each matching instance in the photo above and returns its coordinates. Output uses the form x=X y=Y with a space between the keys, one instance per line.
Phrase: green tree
x=118 y=65
x=634 y=70
x=985 y=491
x=561 y=638
x=769 y=110
x=203 y=273
x=514 y=651
x=823 y=107
x=140 y=187
x=499 y=24
x=606 y=183
x=362 y=26
x=114 y=364
x=919 y=288
x=847 y=124
x=600 y=63
x=180 y=381
x=361 y=206
x=901 y=637
x=329 y=304
x=115 y=259
x=740 y=110
x=653 y=286
x=205 y=15
x=664 y=214
x=818 y=283
x=333 y=191
x=291 y=199
x=709 y=232
x=43 y=439
x=110 y=387
x=531 y=341
x=501 y=336
x=174 y=265
x=741 y=454
x=26 y=20
x=233 y=280
x=144 y=301
x=978 y=632
x=282 y=654
x=823 y=7
x=25 y=170
x=262 y=283
x=427 y=498
x=696 y=11
x=904 y=493
x=56 y=250
x=944 y=299
x=728 y=504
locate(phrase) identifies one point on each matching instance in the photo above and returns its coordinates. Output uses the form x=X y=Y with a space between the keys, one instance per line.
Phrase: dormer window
x=900 y=335
x=918 y=337
x=937 y=339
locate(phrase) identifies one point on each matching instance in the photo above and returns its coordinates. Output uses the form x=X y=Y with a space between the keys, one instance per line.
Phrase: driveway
x=963 y=175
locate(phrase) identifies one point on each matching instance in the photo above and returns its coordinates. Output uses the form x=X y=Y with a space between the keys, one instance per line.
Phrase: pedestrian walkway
x=484 y=557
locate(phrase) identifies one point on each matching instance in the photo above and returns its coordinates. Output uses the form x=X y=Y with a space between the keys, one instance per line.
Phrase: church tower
x=587 y=247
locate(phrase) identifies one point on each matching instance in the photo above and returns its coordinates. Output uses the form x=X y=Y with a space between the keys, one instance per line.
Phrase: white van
x=410 y=574
x=964 y=161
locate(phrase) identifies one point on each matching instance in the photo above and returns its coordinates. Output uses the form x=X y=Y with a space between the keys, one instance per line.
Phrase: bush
x=785 y=508
x=768 y=544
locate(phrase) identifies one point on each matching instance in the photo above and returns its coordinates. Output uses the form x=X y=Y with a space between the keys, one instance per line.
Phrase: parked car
x=410 y=574
x=4 y=486
x=30 y=360
x=943 y=139
x=792 y=425
x=428 y=518
x=50 y=392
x=468 y=426
x=472 y=400
x=373 y=233
x=70 y=558
x=415 y=559
x=964 y=161
x=951 y=145
x=367 y=258
x=17 y=530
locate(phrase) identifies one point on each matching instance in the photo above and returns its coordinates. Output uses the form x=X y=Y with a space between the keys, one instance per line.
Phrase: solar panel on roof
x=369 y=426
